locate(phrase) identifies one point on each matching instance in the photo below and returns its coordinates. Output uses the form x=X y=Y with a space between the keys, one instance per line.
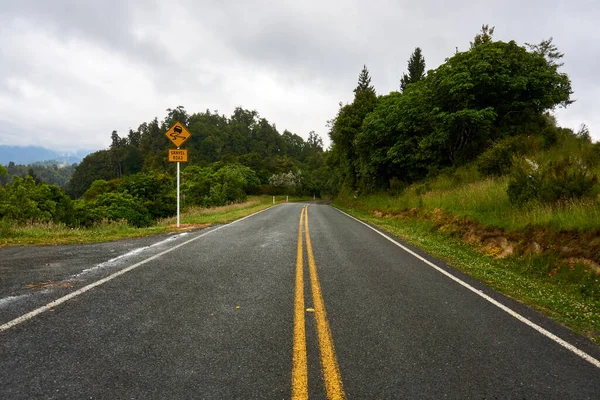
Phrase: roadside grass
x=222 y=215
x=484 y=200
x=524 y=279
x=55 y=234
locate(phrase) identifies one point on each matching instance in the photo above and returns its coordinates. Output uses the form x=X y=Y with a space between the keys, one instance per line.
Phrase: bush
x=233 y=183
x=498 y=159
x=97 y=188
x=525 y=182
x=25 y=200
x=219 y=185
x=156 y=192
x=563 y=179
x=286 y=183
x=114 y=206
x=124 y=206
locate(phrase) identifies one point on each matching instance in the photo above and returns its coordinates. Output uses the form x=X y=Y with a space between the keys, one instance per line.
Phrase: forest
x=132 y=180
x=489 y=106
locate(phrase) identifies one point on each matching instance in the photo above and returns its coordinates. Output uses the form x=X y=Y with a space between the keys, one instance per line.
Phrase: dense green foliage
x=132 y=180
x=244 y=138
x=24 y=200
x=489 y=104
x=568 y=177
x=219 y=185
x=498 y=159
x=347 y=126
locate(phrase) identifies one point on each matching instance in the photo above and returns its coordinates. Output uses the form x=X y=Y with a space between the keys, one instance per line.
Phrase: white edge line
x=511 y=312
x=6 y=326
x=126 y=255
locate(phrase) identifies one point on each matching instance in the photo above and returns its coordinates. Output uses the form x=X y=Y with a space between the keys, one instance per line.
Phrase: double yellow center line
x=331 y=372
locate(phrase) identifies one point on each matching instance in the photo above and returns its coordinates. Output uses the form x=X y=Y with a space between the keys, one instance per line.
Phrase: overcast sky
x=72 y=71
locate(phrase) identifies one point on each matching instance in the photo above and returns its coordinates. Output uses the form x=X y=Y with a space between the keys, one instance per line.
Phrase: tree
x=416 y=69
x=548 y=50
x=117 y=152
x=153 y=144
x=177 y=115
x=293 y=144
x=347 y=125
x=451 y=116
x=134 y=138
x=31 y=173
x=364 y=81
x=25 y=200
x=485 y=36
x=286 y=182
x=494 y=90
x=94 y=166
x=314 y=141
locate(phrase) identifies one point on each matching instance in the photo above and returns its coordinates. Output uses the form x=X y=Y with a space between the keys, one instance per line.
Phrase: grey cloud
x=292 y=61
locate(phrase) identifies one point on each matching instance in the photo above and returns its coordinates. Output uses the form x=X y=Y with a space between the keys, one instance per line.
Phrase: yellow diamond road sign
x=178 y=134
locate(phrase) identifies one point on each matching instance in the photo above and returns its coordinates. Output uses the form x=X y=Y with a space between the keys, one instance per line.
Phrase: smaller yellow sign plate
x=178 y=134
x=177 y=155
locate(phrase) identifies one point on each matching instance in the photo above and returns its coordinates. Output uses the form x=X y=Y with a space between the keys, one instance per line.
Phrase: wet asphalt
x=213 y=319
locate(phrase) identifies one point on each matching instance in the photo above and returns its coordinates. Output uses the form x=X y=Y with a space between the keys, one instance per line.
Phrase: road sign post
x=178 y=186
x=178 y=134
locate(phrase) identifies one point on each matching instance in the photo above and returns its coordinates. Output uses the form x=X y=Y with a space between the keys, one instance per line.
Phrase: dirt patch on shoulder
x=188 y=227
x=570 y=247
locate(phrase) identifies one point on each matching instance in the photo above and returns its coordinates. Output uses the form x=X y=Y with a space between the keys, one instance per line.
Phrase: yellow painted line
x=331 y=372
x=299 y=367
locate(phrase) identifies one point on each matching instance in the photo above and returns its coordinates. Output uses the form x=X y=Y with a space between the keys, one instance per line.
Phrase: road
x=293 y=301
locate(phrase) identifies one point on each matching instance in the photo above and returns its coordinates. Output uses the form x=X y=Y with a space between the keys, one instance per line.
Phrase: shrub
x=525 y=182
x=219 y=185
x=563 y=179
x=124 y=206
x=97 y=188
x=114 y=206
x=155 y=191
x=233 y=183
x=286 y=183
x=25 y=200
x=498 y=159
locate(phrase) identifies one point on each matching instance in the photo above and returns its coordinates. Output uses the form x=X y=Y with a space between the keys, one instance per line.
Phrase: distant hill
x=35 y=154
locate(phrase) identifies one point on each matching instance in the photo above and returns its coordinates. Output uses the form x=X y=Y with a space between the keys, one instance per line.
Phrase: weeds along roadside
x=34 y=233
x=439 y=220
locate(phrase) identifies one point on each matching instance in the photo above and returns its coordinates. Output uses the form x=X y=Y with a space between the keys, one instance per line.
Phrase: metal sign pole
x=178 y=193
x=177 y=134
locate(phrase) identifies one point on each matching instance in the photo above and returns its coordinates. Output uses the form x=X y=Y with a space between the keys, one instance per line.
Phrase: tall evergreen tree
x=416 y=69
x=364 y=81
x=347 y=125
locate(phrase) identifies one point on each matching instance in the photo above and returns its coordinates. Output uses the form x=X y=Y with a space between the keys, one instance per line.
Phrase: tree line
x=447 y=117
x=132 y=180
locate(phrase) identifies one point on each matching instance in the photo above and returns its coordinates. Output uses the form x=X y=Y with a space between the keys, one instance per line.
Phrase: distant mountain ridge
x=33 y=154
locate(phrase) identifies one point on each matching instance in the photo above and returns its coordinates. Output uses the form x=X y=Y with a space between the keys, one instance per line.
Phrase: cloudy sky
x=72 y=71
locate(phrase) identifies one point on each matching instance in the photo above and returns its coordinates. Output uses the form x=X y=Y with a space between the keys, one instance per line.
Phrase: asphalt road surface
x=295 y=301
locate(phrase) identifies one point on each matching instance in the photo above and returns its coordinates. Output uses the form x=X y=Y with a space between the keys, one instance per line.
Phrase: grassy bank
x=54 y=234
x=465 y=193
x=569 y=295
